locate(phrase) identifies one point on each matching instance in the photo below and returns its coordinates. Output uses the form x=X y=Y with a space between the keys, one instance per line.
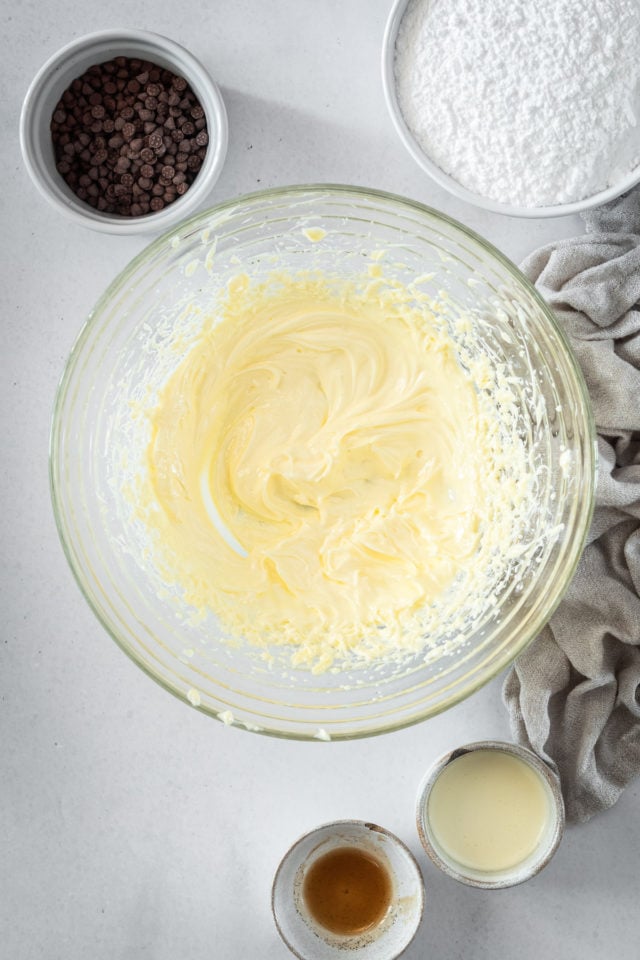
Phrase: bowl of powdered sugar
x=527 y=109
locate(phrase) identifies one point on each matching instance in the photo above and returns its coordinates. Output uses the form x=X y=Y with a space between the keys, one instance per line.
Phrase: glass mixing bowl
x=118 y=362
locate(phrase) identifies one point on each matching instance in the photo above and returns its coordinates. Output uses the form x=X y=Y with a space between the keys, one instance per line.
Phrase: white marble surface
x=130 y=825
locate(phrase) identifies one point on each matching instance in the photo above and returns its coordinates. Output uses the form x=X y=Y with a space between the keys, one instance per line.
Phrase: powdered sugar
x=527 y=103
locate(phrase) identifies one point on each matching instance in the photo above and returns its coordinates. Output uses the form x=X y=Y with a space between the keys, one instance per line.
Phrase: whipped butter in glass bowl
x=322 y=462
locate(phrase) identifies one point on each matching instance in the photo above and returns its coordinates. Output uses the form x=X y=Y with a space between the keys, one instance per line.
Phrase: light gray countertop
x=132 y=826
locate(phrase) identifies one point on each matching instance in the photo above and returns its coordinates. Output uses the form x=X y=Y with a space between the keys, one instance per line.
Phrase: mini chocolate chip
x=113 y=124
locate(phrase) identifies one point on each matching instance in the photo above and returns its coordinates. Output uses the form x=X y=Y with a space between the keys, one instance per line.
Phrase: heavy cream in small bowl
x=490 y=814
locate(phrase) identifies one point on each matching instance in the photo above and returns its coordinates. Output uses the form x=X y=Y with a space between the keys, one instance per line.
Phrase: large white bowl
x=449 y=183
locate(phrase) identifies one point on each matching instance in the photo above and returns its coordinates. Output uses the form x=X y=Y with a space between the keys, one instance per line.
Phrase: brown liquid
x=347 y=891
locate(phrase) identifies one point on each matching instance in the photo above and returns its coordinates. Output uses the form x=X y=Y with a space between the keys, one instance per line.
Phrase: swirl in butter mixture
x=315 y=468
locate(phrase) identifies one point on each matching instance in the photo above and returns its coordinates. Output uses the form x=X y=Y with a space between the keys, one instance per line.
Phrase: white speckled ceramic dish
x=525 y=870
x=309 y=941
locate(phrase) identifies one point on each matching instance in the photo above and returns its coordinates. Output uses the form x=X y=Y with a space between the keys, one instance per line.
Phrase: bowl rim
x=443 y=179
x=504 y=657
x=362 y=827
x=558 y=811
x=205 y=88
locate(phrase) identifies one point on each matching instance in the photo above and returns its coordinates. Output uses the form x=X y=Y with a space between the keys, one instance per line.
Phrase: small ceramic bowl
x=523 y=870
x=306 y=938
x=71 y=62
x=443 y=179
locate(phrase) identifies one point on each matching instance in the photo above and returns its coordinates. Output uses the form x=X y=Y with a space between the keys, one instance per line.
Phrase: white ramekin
x=70 y=62
x=525 y=870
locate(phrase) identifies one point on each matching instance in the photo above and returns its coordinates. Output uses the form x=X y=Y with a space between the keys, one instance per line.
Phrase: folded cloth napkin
x=574 y=695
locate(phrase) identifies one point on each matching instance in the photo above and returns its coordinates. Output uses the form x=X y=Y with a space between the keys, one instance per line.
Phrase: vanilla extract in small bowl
x=348 y=885
x=347 y=890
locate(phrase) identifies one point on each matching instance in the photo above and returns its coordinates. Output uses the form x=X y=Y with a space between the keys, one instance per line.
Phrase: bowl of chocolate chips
x=124 y=131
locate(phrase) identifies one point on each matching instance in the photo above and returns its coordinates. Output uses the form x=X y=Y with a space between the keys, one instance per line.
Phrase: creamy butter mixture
x=322 y=468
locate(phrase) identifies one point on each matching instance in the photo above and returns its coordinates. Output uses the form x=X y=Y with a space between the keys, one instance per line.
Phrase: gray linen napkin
x=574 y=695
